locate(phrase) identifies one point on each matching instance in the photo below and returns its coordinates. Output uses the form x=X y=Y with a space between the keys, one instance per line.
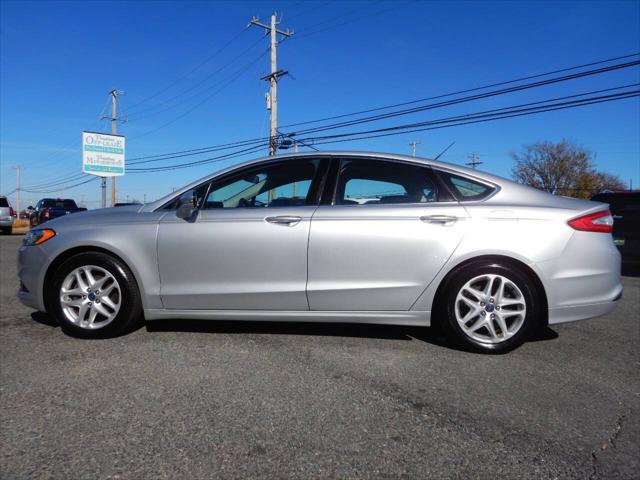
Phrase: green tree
x=562 y=168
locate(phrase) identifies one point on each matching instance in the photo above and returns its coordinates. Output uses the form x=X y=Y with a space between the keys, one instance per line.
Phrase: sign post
x=103 y=155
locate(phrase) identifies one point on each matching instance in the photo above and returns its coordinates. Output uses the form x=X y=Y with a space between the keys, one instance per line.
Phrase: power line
x=69 y=187
x=232 y=144
x=256 y=142
x=532 y=107
x=507 y=112
x=456 y=101
x=239 y=73
x=190 y=72
x=151 y=111
x=475 y=89
x=200 y=162
x=478 y=117
x=343 y=22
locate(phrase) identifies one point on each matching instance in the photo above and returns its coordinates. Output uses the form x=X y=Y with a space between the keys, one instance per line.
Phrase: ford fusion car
x=332 y=237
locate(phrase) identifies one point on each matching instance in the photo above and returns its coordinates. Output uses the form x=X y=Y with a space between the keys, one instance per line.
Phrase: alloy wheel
x=90 y=297
x=490 y=308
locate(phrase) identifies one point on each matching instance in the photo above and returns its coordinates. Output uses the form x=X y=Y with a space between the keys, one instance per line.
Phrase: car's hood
x=101 y=216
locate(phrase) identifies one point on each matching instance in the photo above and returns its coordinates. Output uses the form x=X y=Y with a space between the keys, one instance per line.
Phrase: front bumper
x=32 y=263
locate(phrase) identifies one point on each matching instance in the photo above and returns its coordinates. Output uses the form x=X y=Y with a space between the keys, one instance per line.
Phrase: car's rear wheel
x=94 y=295
x=490 y=307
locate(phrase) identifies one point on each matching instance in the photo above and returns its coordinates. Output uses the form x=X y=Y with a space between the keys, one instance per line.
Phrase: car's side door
x=384 y=234
x=246 y=246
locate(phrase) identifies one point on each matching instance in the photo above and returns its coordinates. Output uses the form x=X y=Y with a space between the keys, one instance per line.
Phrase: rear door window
x=381 y=182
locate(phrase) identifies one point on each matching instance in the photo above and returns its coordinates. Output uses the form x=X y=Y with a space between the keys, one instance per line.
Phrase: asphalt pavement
x=195 y=400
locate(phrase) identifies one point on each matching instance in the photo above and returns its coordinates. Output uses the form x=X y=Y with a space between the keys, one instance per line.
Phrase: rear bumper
x=4 y=223
x=584 y=280
x=582 y=312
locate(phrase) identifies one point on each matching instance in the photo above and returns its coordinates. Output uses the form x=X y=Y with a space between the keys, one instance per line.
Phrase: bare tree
x=561 y=168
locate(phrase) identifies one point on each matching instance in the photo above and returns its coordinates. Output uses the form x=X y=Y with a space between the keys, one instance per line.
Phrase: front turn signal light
x=38 y=236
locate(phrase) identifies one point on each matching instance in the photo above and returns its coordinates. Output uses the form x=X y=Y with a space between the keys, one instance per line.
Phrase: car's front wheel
x=490 y=307
x=94 y=295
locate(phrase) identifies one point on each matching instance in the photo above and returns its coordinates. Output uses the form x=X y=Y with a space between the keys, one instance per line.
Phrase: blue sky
x=59 y=59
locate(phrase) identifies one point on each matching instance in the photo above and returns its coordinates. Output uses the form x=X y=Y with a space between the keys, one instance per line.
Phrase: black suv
x=625 y=208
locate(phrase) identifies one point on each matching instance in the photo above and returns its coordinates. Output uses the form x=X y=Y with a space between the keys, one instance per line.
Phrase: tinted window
x=3 y=202
x=68 y=204
x=284 y=184
x=465 y=189
x=365 y=182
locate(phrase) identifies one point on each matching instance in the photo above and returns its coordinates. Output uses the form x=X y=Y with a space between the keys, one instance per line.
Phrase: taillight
x=46 y=213
x=12 y=212
x=601 y=221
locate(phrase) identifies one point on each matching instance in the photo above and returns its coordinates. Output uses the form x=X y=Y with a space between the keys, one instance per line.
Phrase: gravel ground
x=183 y=399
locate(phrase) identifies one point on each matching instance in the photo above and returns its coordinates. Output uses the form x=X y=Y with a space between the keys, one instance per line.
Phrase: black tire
x=130 y=313
x=445 y=308
x=6 y=230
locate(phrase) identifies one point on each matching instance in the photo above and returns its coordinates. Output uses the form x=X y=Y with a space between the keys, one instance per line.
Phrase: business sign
x=102 y=154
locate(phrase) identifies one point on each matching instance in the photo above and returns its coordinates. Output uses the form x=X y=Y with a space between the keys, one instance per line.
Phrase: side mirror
x=185 y=211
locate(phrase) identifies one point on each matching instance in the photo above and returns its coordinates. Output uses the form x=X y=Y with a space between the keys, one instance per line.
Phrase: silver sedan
x=332 y=237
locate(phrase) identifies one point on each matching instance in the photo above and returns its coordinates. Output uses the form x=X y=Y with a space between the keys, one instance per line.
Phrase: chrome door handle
x=440 y=219
x=284 y=220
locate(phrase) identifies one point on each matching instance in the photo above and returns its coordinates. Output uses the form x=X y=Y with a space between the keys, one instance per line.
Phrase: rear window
x=466 y=189
x=3 y=202
x=66 y=204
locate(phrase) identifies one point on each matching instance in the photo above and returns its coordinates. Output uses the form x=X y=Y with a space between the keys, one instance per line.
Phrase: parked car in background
x=7 y=215
x=625 y=208
x=26 y=213
x=50 y=208
x=282 y=238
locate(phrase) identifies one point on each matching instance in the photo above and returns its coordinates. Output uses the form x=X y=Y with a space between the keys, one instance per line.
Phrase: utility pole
x=114 y=131
x=413 y=147
x=475 y=160
x=273 y=78
x=18 y=169
x=103 y=189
